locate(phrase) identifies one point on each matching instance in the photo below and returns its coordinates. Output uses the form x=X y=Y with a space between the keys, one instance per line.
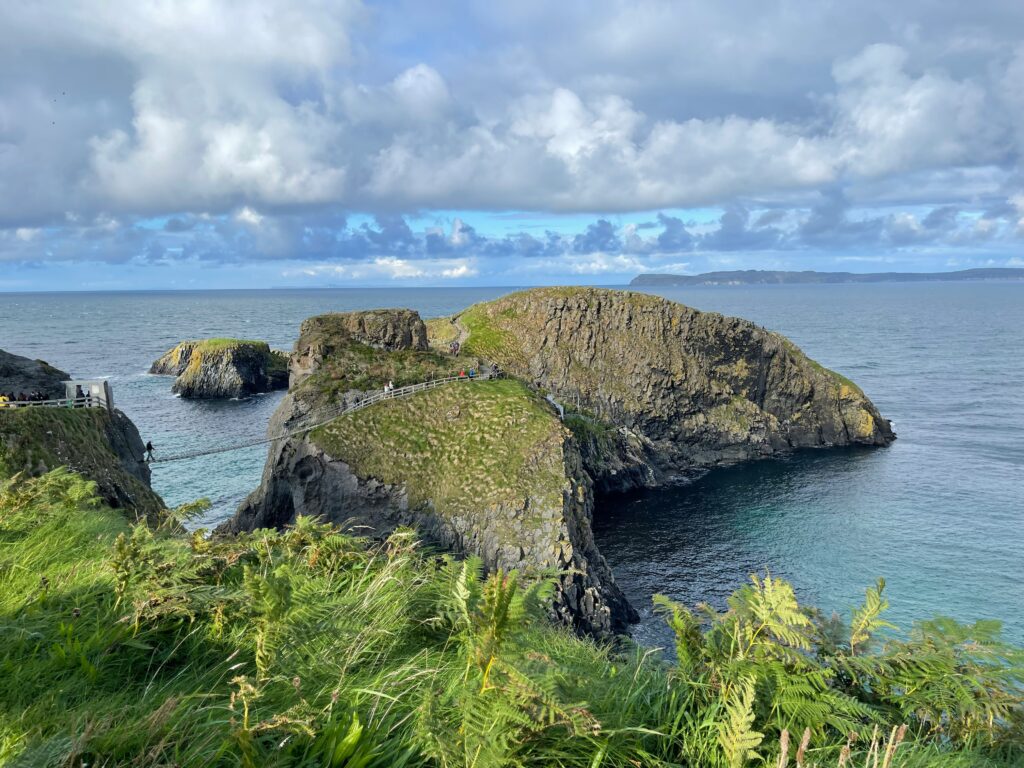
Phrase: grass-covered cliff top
x=357 y=366
x=36 y=440
x=192 y=354
x=503 y=329
x=125 y=646
x=465 y=446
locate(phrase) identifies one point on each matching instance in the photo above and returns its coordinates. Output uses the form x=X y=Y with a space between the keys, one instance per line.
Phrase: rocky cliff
x=22 y=375
x=654 y=391
x=479 y=467
x=223 y=368
x=673 y=390
x=103 y=446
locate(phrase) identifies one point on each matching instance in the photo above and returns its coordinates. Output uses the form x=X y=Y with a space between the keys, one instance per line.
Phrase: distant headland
x=781 y=277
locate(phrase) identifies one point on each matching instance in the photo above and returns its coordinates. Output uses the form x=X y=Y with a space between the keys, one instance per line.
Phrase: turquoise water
x=939 y=513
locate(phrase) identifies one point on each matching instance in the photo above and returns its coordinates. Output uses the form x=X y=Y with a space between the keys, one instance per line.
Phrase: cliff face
x=223 y=368
x=477 y=467
x=103 y=446
x=683 y=389
x=330 y=337
x=20 y=374
x=656 y=390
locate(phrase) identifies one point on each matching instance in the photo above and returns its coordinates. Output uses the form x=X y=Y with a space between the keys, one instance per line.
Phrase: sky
x=177 y=144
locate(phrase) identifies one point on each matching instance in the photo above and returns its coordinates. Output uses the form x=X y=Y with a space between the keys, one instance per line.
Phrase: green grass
x=221 y=344
x=357 y=366
x=128 y=646
x=36 y=440
x=465 y=446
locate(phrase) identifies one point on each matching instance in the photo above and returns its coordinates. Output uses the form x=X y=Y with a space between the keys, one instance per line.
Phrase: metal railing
x=326 y=416
x=62 y=402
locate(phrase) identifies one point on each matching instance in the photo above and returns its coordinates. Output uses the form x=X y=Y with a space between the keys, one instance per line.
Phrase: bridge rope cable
x=323 y=418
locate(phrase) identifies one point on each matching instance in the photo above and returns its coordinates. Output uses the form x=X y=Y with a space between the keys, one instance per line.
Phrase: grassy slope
x=466 y=446
x=124 y=646
x=34 y=440
x=356 y=366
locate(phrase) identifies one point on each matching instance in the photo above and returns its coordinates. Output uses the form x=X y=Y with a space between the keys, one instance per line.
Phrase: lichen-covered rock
x=223 y=368
x=22 y=375
x=477 y=467
x=684 y=389
x=325 y=336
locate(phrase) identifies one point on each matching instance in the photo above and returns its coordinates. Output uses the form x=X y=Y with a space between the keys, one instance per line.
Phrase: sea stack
x=223 y=368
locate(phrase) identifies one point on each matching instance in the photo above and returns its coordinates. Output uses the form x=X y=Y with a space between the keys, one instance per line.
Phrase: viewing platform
x=79 y=393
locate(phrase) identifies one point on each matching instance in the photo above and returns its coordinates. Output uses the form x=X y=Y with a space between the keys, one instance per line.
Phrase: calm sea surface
x=940 y=514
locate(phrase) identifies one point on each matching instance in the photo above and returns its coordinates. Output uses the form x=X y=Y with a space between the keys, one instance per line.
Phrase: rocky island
x=101 y=445
x=223 y=368
x=651 y=392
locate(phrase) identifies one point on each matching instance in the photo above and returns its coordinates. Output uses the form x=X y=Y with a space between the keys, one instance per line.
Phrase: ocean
x=939 y=514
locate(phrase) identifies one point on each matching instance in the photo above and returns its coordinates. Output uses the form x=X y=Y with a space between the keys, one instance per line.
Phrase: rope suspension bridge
x=325 y=416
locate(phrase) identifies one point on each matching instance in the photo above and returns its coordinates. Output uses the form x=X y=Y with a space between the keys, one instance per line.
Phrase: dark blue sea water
x=939 y=514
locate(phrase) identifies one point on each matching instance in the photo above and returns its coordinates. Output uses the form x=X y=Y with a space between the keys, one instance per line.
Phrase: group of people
x=389 y=388
x=21 y=397
x=454 y=348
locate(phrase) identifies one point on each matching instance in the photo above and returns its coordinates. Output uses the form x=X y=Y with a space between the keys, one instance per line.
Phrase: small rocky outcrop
x=22 y=375
x=326 y=336
x=103 y=446
x=223 y=368
x=673 y=389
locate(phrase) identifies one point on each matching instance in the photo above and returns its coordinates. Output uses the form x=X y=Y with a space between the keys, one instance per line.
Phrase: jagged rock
x=20 y=374
x=507 y=485
x=324 y=336
x=683 y=390
x=223 y=368
x=655 y=391
x=103 y=446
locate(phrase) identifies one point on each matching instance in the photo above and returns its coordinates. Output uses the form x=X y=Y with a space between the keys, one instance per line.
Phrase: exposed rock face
x=103 y=446
x=20 y=374
x=324 y=336
x=223 y=368
x=657 y=390
x=503 y=479
x=685 y=389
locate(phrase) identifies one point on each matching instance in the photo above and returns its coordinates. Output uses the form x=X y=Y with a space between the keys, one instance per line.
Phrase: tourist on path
x=149 y=451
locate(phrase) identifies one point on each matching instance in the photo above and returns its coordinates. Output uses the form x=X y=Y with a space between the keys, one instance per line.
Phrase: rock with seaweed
x=223 y=368
x=101 y=445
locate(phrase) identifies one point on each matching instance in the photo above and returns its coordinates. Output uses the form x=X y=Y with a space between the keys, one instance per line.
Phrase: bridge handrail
x=323 y=419
x=63 y=402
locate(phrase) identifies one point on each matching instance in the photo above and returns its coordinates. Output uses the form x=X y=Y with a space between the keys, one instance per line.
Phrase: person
x=149 y=450
x=79 y=396
x=462 y=373
x=472 y=373
x=391 y=386
x=3 y=401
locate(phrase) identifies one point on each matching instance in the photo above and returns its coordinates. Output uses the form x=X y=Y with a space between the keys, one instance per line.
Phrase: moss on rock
x=223 y=368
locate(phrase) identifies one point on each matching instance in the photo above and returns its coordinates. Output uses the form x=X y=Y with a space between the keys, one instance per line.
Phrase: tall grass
x=124 y=645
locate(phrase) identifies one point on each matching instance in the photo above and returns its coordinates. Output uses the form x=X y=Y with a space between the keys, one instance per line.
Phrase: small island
x=223 y=368
x=603 y=392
